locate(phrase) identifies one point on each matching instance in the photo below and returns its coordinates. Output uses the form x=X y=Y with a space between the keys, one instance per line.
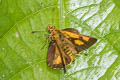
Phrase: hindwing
x=54 y=58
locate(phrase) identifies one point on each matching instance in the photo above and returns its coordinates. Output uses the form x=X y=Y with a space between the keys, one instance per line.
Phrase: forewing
x=84 y=42
x=77 y=41
x=71 y=30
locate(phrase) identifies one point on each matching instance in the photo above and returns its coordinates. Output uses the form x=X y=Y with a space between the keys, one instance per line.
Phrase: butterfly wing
x=77 y=41
x=54 y=58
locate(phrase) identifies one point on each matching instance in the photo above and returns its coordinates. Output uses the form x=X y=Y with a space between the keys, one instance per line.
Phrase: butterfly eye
x=51 y=29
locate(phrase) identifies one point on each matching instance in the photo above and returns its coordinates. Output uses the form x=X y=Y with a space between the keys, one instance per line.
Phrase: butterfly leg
x=46 y=42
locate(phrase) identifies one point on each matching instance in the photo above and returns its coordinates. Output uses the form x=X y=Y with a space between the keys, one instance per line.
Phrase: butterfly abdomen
x=69 y=52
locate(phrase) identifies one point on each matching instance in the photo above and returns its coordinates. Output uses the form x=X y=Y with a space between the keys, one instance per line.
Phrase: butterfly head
x=51 y=28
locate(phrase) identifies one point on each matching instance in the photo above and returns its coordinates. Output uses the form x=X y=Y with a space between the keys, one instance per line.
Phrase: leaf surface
x=20 y=54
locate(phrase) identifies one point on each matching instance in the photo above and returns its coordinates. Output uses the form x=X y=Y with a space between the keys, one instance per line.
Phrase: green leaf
x=20 y=54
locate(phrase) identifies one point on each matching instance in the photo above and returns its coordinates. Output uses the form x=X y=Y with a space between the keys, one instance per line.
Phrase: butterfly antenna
x=62 y=59
x=38 y=31
x=53 y=16
x=65 y=69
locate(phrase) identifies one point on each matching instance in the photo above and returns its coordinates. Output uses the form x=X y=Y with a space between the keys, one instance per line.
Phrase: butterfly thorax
x=54 y=33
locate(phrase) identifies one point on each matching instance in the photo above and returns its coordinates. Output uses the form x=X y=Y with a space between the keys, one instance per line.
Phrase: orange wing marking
x=85 y=38
x=73 y=35
x=78 y=42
